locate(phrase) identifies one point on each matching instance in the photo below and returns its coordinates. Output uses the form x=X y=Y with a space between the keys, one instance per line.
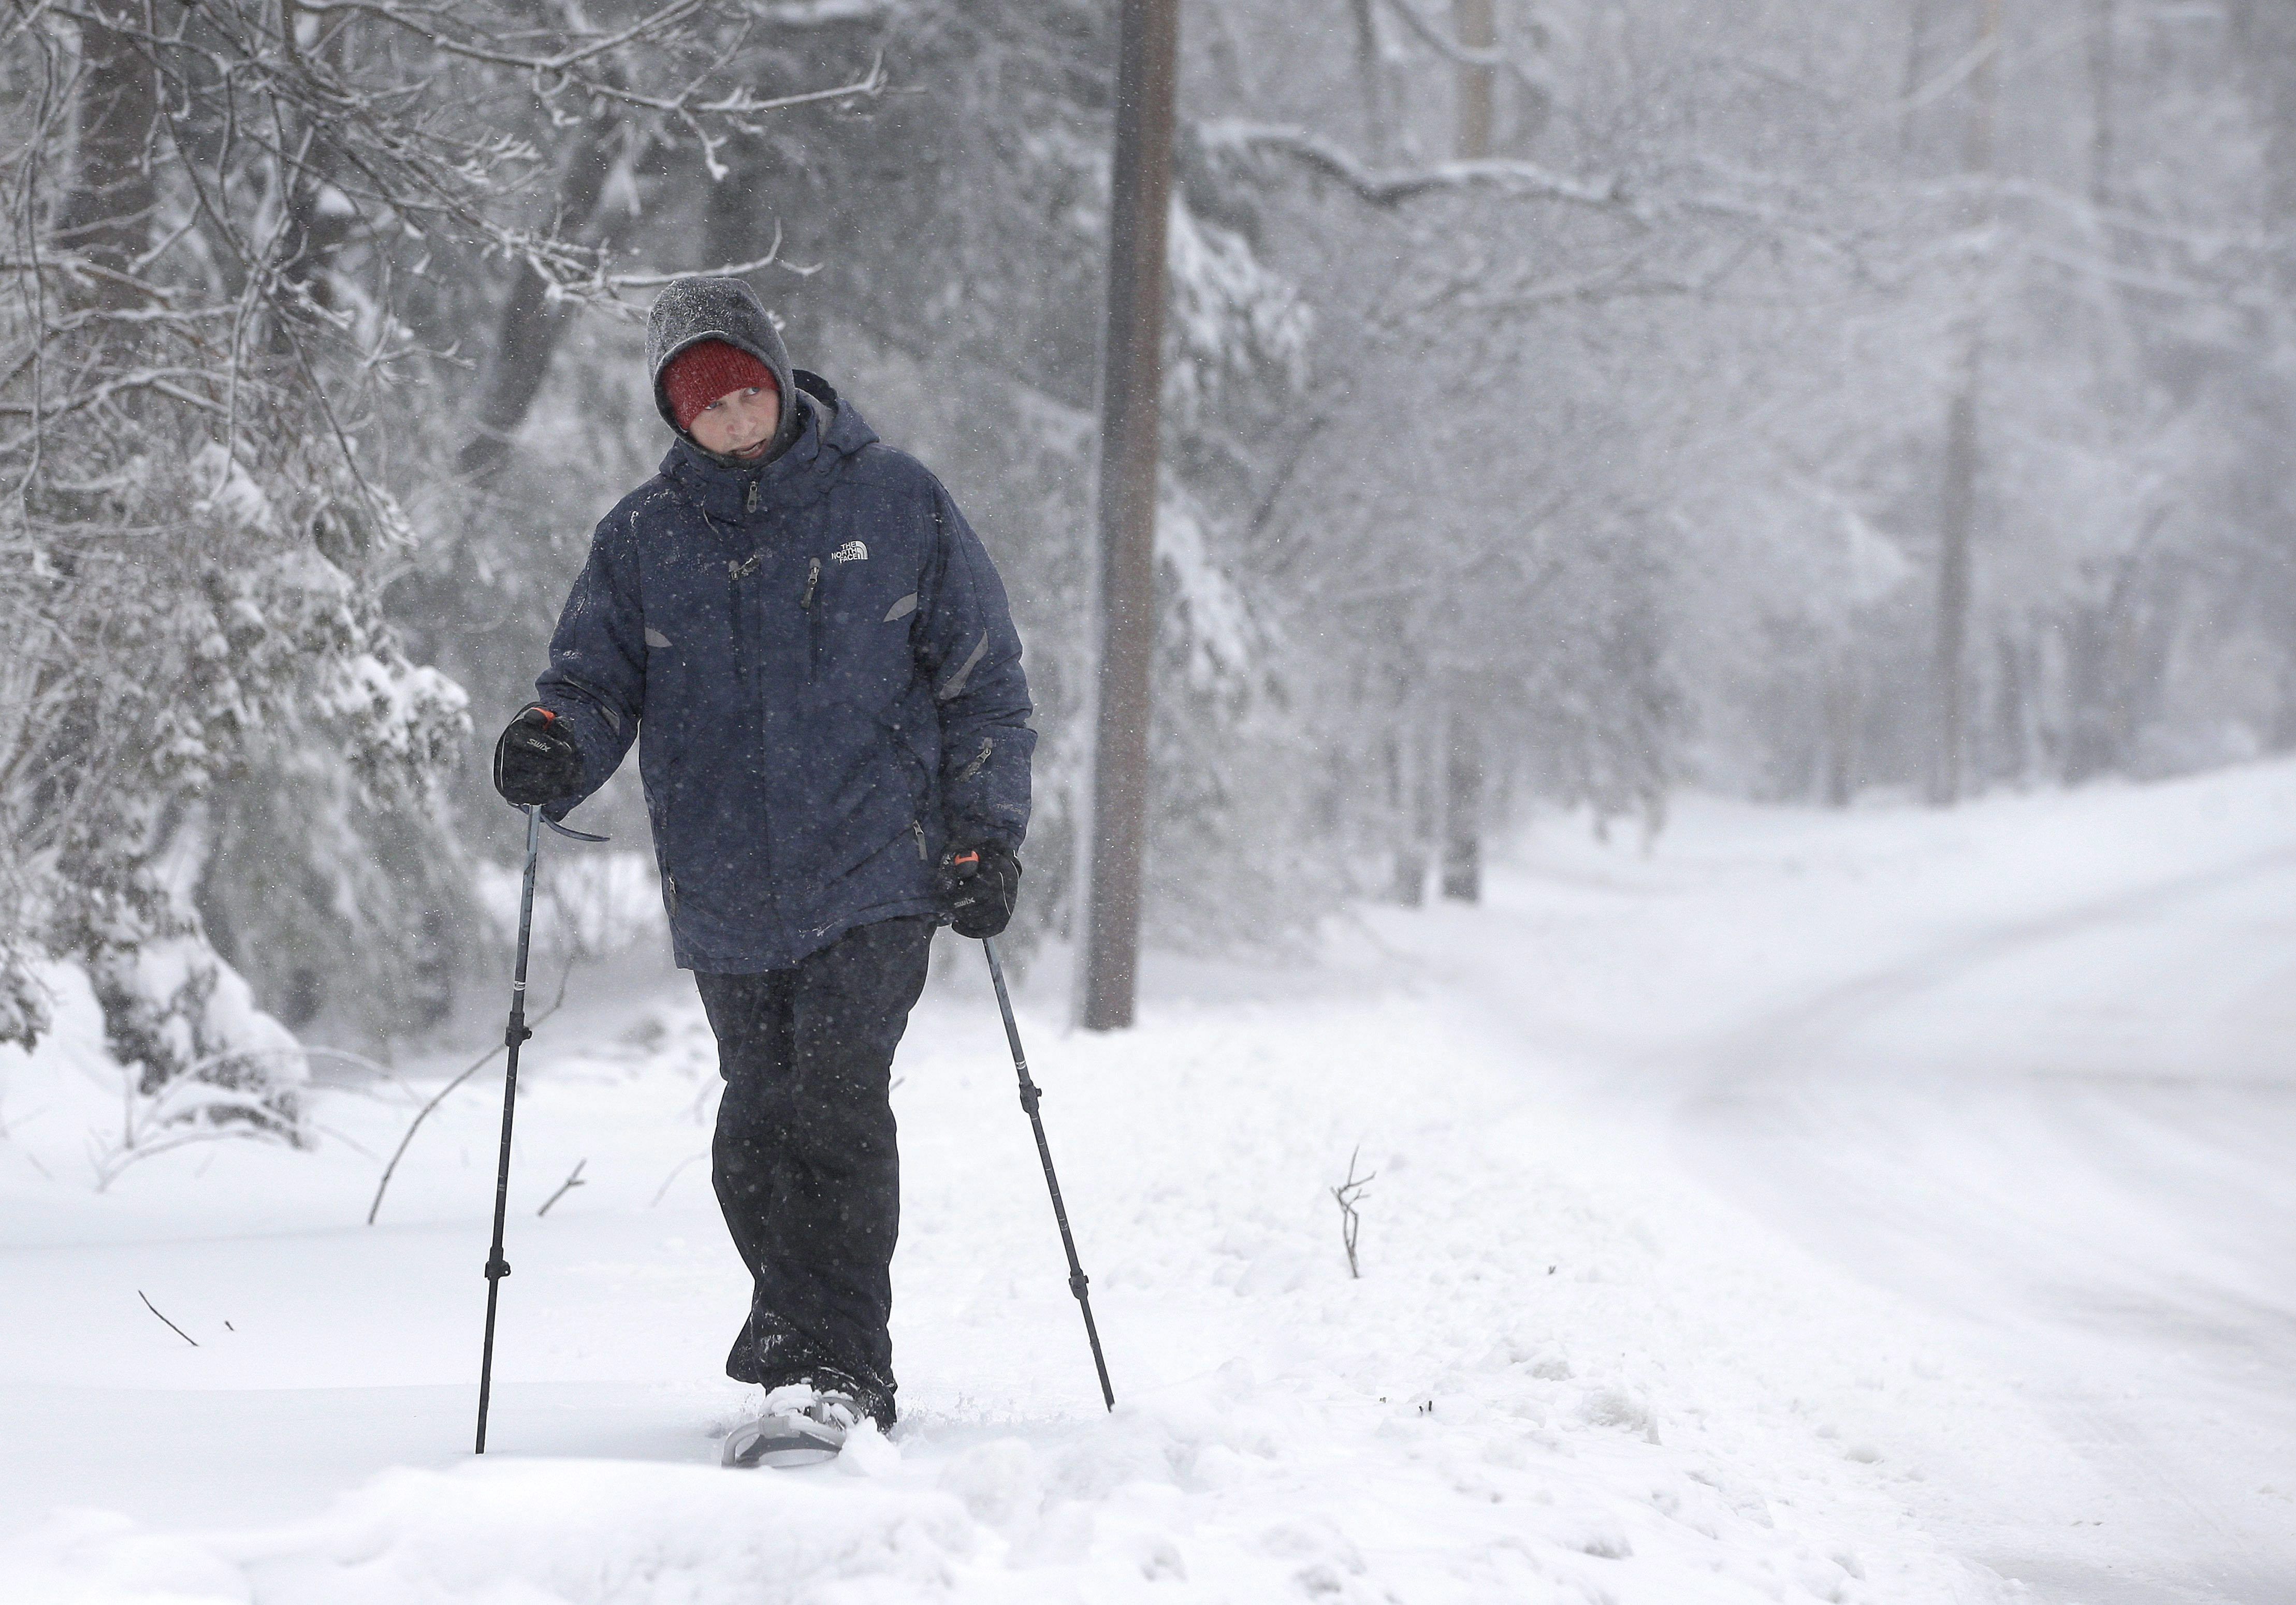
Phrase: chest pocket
x=862 y=608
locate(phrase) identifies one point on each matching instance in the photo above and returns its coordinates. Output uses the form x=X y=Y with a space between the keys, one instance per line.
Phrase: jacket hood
x=698 y=307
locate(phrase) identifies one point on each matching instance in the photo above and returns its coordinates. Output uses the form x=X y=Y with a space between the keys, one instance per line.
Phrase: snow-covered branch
x=1521 y=180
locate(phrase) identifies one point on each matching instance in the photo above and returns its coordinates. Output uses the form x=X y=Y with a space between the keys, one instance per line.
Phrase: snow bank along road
x=1871 y=1208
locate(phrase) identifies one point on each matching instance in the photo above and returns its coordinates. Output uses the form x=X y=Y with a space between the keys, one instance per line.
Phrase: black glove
x=977 y=888
x=533 y=761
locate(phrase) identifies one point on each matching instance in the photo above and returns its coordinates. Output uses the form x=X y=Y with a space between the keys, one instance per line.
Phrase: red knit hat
x=705 y=370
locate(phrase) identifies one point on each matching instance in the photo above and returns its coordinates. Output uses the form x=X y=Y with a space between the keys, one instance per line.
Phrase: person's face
x=740 y=422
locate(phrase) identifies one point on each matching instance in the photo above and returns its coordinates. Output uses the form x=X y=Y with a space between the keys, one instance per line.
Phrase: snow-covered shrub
x=174 y=1013
x=190 y=623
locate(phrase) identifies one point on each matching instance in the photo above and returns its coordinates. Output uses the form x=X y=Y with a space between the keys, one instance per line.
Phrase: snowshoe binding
x=800 y=1425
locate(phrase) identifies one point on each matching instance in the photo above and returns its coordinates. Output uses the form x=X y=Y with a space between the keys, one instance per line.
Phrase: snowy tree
x=227 y=225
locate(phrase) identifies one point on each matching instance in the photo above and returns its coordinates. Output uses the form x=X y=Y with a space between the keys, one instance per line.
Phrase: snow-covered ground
x=1885 y=1207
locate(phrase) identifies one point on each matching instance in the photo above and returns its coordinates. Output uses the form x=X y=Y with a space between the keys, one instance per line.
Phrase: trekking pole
x=498 y=1268
x=1029 y=1095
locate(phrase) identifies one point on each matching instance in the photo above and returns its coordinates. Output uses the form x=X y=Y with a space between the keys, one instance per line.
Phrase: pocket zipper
x=918 y=828
x=805 y=606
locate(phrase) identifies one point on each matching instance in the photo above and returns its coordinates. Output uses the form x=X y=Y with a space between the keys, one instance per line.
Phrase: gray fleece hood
x=698 y=307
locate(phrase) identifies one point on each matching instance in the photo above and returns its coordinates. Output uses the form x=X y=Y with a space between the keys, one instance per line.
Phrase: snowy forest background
x=1566 y=401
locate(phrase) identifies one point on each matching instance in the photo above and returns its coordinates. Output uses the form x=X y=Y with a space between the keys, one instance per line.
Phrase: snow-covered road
x=2077 y=1134
x=1863 y=1207
x=2033 y=1067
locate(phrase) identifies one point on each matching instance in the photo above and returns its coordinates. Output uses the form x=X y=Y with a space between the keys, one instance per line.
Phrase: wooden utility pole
x=1147 y=75
x=2104 y=18
x=1371 y=79
x=1460 y=769
x=1957 y=520
x=1476 y=23
x=1462 y=805
x=1957 y=510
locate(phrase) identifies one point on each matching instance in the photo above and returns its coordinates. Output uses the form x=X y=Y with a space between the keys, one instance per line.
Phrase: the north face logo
x=851 y=551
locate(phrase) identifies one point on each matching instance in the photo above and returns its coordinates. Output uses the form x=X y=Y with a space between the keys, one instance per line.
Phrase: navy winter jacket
x=818 y=661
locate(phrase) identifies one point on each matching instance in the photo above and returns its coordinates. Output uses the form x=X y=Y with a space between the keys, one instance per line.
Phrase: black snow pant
x=805 y=1161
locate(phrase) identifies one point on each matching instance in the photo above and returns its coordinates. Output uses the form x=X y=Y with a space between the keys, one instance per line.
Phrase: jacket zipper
x=917 y=828
x=804 y=605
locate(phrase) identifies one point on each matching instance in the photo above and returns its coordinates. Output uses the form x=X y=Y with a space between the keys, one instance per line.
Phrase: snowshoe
x=800 y=1425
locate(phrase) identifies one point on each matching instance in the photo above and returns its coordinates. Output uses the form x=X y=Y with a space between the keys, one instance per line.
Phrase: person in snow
x=815 y=656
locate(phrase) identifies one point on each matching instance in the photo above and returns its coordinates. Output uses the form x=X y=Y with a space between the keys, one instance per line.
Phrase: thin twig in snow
x=1350 y=1193
x=573 y=1179
x=171 y=1326
x=676 y=1172
x=476 y=1065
